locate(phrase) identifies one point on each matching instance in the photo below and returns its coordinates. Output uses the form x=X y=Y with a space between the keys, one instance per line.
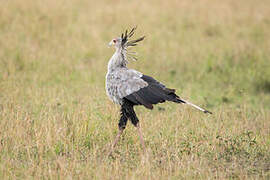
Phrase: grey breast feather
x=127 y=81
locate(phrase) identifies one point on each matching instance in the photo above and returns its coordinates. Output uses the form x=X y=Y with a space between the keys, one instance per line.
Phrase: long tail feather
x=195 y=106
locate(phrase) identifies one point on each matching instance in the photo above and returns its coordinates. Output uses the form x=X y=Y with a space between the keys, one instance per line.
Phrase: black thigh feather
x=127 y=112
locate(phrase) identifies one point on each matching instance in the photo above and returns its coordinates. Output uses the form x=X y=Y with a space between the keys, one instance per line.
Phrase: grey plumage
x=122 y=82
x=128 y=87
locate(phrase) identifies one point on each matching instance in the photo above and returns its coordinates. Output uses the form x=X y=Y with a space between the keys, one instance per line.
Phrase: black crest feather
x=127 y=35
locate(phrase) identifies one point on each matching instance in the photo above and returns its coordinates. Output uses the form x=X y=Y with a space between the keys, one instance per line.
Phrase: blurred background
x=55 y=116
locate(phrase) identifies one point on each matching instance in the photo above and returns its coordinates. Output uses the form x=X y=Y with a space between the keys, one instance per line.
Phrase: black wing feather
x=154 y=93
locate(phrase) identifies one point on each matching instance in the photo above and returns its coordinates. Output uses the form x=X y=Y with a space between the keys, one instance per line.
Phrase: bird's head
x=123 y=41
x=116 y=42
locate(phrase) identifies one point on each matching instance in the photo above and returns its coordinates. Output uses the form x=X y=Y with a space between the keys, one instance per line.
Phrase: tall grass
x=56 y=121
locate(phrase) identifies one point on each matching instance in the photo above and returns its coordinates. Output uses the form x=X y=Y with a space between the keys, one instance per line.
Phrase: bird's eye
x=114 y=41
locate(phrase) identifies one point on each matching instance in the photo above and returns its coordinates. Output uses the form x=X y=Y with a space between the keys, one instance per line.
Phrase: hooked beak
x=110 y=44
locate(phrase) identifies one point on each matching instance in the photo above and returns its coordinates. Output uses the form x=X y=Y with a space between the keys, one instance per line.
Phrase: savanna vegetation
x=56 y=121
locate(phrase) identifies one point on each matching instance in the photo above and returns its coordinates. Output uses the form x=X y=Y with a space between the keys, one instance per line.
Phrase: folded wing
x=153 y=93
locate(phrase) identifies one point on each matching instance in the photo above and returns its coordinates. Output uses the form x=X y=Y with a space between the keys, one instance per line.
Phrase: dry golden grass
x=55 y=118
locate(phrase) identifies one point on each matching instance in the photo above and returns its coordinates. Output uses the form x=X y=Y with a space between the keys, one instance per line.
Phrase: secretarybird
x=128 y=87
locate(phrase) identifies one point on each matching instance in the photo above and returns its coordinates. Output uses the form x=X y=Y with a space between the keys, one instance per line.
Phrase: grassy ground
x=55 y=118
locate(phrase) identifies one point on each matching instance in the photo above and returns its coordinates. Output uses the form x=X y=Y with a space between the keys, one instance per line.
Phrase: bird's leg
x=141 y=136
x=135 y=121
x=122 y=125
x=116 y=140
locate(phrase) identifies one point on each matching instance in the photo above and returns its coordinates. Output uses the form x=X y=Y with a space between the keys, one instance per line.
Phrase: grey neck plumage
x=118 y=60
